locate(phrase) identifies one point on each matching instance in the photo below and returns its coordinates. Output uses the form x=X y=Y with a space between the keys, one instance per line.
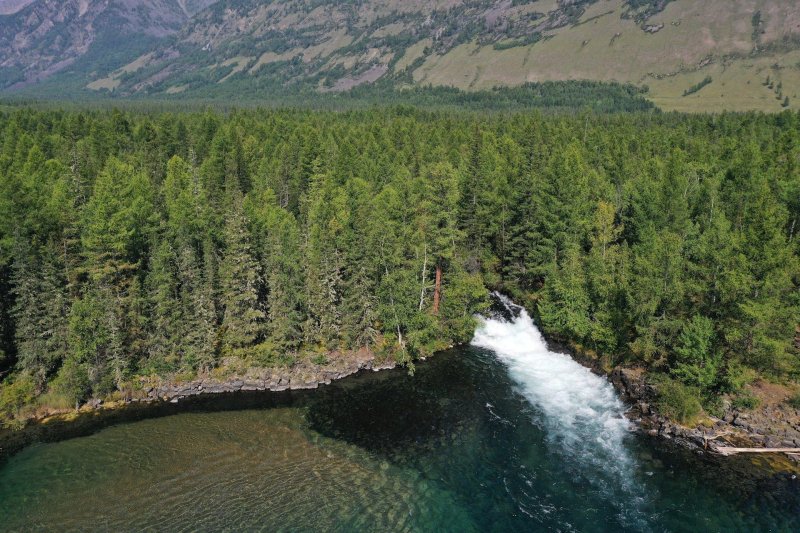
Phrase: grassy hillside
x=678 y=47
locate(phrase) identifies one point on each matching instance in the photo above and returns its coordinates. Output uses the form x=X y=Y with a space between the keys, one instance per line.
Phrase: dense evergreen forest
x=549 y=96
x=136 y=244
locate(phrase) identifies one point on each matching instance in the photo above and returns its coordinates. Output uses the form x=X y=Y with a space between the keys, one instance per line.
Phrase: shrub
x=14 y=396
x=677 y=401
x=425 y=337
x=268 y=354
x=735 y=377
x=72 y=381
x=697 y=86
x=320 y=359
x=745 y=400
x=794 y=400
x=55 y=400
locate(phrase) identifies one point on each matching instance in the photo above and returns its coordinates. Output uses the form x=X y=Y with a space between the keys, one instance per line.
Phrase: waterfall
x=580 y=411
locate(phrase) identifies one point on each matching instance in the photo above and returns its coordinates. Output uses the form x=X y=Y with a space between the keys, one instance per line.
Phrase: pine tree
x=564 y=305
x=97 y=359
x=117 y=221
x=359 y=315
x=523 y=263
x=605 y=271
x=397 y=300
x=437 y=224
x=359 y=310
x=696 y=361
x=187 y=207
x=7 y=333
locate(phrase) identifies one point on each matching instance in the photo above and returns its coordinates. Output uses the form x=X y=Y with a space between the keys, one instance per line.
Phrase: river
x=502 y=435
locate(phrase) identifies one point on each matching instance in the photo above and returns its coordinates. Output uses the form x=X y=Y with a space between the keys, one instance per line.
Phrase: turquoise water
x=490 y=437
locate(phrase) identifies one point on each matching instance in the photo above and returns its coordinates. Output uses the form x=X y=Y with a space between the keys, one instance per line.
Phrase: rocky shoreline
x=163 y=396
x=772 y=425
x=301 y=376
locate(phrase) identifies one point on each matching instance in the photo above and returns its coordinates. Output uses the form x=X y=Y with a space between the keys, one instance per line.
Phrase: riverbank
x=461 y=430
x=299 y=376
x=162 y=396
x=772 y=424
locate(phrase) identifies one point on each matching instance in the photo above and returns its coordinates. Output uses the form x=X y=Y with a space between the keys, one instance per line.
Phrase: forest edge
x=709 y=436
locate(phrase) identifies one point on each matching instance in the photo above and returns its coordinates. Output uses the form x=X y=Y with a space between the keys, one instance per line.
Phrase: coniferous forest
x=136 y=244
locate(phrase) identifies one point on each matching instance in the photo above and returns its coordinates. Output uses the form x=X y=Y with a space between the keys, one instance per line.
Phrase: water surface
x=503 y=435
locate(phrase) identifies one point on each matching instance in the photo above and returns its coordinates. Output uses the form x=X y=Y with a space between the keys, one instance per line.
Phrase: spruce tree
x=325 y=260
x=40 y=313
x=240 y=285
x=117 y=228
x=277 y=245
x=197 y=328
x=164 y=316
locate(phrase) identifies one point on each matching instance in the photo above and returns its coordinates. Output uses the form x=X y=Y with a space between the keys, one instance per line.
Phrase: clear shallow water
x=499 y=436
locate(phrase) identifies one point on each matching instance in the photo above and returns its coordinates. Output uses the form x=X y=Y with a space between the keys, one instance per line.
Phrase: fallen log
x=728 y=450
x=708 y=439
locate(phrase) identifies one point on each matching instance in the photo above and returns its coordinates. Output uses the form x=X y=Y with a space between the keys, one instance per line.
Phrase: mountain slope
x=8 y=7
x=708 y=55
x=40 y=38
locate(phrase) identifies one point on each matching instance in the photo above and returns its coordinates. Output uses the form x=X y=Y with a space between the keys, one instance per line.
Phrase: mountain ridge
x=749 y=50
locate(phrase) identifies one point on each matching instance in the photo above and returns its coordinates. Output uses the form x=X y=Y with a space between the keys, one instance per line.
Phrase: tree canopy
x=136 y=244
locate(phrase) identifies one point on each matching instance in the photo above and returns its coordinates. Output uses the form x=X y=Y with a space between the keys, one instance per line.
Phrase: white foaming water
x=580 y=411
